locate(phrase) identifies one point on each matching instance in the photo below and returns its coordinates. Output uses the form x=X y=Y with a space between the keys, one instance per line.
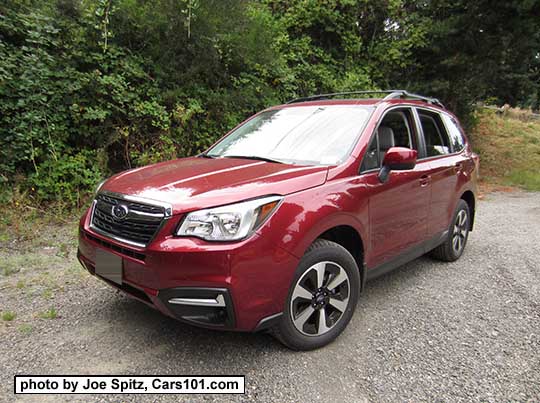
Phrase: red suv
x=280 y=223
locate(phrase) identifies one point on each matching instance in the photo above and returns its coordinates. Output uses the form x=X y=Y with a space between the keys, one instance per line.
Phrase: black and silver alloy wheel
x=322 y=297
x=453 y=246
x=461 y=229
x=319 y=298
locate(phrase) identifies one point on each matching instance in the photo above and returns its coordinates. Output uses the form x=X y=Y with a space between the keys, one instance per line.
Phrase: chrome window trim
x=433 y=157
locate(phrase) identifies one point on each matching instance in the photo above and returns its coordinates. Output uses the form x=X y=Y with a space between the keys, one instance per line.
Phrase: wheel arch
x=349 y=238
x=468 y=197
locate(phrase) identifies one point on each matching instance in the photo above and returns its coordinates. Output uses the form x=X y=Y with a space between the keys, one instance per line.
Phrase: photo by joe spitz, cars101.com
x=278 y=225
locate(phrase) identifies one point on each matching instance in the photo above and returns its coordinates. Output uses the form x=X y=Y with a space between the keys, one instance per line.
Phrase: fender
x=305 y=215
x=318 y=226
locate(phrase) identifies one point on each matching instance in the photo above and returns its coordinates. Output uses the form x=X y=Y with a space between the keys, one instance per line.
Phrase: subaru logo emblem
x=120 y=211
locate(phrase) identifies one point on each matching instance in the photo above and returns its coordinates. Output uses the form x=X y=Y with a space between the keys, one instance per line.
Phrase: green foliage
x=25 y=328
x=477 y=50
x=48 y=314
x=89 y=88
x=528 y=179
x=8 y=316
x=66 y=178
x=70 y=105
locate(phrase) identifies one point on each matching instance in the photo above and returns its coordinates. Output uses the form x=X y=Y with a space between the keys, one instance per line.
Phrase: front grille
x=138 y=226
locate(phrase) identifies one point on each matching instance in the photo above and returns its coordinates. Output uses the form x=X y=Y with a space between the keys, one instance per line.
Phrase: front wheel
x=458 y=233
x=322 y=297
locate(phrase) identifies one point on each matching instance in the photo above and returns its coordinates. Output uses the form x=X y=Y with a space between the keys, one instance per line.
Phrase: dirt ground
x=467 y=331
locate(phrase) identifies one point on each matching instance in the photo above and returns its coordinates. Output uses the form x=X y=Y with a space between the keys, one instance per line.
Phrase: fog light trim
x=219 y=301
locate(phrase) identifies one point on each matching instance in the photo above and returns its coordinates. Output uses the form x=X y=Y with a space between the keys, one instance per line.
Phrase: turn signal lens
x=264 y=211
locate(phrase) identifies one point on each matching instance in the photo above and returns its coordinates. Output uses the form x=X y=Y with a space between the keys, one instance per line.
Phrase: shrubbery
x=66 y=101
x=88 y=88
x=66 y=179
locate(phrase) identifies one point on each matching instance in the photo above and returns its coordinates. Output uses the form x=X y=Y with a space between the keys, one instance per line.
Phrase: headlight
x=229 y=223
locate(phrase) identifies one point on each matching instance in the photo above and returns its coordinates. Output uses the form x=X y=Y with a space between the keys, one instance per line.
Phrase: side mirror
x=397 y=159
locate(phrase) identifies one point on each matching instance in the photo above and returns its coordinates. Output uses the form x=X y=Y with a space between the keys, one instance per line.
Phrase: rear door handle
x=425 y=180
x=458 y=167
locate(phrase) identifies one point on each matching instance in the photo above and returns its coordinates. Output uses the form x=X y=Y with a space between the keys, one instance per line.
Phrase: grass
x=25 y=328
x=49 y=314
x=8 y=316
x=63 y=250
x=47 y=293
x=8 y=270
x=509 y=149
x=49 y=225
x=14 y=263
x=525 y=179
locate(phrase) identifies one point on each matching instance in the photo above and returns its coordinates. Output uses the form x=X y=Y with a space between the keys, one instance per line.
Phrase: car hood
x=194 y=183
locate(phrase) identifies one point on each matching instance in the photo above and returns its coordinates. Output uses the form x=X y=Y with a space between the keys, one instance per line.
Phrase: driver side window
x=393 y=131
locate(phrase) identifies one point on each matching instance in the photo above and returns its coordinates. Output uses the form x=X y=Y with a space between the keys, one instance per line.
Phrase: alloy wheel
x=461 y=229
x=320 y=298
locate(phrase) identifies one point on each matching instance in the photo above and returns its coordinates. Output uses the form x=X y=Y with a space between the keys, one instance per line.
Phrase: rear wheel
x=458 y=233
x=322 y=297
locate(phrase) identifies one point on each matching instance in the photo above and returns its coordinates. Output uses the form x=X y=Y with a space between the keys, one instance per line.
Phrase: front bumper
x=235 y=286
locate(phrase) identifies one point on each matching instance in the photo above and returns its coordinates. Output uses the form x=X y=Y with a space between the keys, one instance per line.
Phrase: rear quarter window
x=457 y=139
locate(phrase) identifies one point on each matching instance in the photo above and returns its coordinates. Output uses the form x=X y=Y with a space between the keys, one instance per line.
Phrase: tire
x=332 y=296
x=458 y=233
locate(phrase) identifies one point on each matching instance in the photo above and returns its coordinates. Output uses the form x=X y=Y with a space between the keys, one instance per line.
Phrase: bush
x=89 y=88
x=65 y=101
x=67 y=179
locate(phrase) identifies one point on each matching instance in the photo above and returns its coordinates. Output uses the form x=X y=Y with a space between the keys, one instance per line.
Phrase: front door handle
x=425 y=180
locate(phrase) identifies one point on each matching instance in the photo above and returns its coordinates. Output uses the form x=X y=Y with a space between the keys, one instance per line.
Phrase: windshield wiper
x=204 y=155
x=253 y=157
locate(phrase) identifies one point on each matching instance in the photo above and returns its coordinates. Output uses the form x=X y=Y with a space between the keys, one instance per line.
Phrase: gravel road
x=468 y=331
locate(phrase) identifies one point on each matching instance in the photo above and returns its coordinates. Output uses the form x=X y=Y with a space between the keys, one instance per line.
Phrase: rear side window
x=456 y=135
x=436 y=138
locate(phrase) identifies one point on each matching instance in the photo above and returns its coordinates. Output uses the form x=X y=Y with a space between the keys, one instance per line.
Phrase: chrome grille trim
x=143 y=222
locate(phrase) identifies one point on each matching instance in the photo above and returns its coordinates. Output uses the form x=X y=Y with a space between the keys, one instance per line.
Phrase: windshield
x=311 y=135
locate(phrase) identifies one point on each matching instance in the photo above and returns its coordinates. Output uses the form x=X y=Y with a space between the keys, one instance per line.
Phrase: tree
x=477 y=50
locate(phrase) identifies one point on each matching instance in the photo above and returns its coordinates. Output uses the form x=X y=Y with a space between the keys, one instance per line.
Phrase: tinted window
x=456 y=135
x=435 y=135
x=393 y=131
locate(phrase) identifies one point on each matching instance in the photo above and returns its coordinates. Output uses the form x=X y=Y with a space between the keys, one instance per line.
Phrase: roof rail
x=402 y=94
x=392 y=94
x=333 y=94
